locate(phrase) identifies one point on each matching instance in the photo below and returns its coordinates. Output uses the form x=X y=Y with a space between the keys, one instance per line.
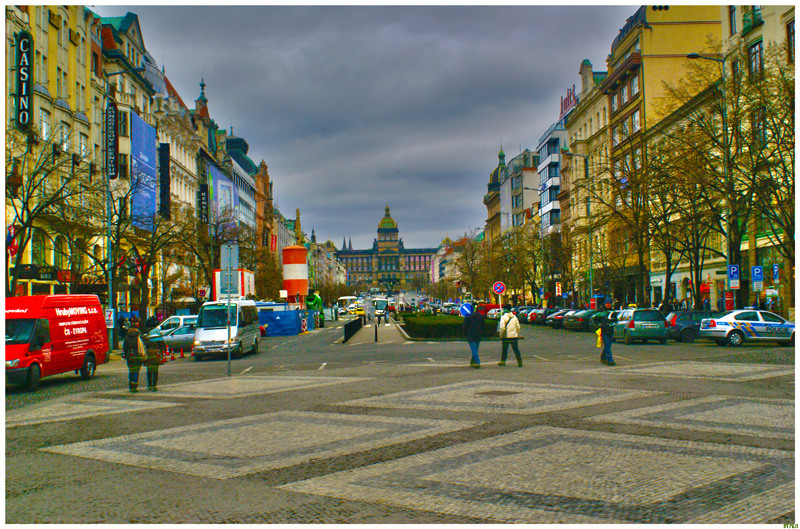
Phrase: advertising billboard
x=144 y=179
x=224 y=195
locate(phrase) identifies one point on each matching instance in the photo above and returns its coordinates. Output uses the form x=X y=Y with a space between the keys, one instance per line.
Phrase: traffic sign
x=466 y=309
x=733 y=277
x=499 y=287
x=758 y=273
x=558 y=289
x=776 y=273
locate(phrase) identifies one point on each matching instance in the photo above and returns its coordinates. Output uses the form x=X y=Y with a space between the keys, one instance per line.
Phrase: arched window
x=97 y=251
x=61 y=261
x=39 y=248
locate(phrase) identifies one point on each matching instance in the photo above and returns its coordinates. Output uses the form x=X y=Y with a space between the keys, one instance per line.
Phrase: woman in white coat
x=509 y=334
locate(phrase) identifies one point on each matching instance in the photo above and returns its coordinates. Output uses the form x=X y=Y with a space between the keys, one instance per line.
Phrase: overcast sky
x=354 y=108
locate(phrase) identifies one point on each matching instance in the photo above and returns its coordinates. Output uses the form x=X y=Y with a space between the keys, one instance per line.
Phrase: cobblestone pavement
x=429 y=440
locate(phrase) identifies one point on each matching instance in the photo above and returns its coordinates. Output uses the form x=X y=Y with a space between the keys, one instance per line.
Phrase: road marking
x=246 y=370
x=431 y=360
x=540 y=358
x=322 y=366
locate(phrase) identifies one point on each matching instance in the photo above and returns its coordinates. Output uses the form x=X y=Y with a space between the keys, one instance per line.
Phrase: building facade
x=388 y=265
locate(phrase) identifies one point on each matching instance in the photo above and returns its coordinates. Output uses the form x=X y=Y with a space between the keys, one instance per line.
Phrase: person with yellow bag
x=605 y=336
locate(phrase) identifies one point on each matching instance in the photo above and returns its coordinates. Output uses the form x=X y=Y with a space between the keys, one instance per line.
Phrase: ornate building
x=388 y=265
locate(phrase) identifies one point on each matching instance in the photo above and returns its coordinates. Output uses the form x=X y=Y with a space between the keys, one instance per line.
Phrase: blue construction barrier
x=280 y=323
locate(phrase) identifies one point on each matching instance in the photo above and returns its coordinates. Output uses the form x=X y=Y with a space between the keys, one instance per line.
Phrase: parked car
x=640 y=324
x=556 y=319
x=174 y=339
x=493 y=314
x=684 y=326
x=540 y=315
x=737 y=326
x=579 y=321
x=594 y=320
x=173 y=322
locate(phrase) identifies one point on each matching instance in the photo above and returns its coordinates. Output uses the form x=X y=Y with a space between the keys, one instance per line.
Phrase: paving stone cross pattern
x=540 y=474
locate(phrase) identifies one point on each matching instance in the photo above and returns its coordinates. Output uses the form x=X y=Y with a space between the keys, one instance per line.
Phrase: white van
x=211 y=332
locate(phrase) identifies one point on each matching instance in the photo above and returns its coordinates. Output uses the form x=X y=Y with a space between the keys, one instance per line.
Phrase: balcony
x=551 y=159
x=751 y=20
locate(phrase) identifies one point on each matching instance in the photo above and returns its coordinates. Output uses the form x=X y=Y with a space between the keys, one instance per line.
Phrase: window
x=123 y=124
x=735 y=69
x=59 y=90
x=39 y=248
x=758 y=125
x=83 y=143
x=755 y=56
x=732 y=19
x=64 y=136
x=635 y=121
x=61 y=254
x=623 y=94
x=790 y=41
x=44 y=123
x=613 y=102
x=634 y=86
x=746 y=316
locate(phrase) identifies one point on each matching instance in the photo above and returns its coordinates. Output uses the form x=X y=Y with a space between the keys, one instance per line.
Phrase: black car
x=684 y=325
x=579 y=321
x=556 y=319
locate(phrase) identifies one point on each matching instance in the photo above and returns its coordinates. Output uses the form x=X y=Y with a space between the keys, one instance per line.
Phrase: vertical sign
x=776 y=273
x=273 y=243
x=758 y=278
x=112 y=142
x=733 y=277
x=229 y=270
x=202 y=203
x=164 y=181
x=143 y=173
x=24 y=80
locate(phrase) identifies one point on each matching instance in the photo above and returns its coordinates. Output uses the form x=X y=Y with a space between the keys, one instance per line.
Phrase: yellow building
x=584 y=171
x=650 y=49
x=63 y=139
x=491 y=200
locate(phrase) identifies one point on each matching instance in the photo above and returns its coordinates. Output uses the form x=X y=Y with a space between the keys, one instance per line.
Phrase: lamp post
x=725 y=147
x=109 y=253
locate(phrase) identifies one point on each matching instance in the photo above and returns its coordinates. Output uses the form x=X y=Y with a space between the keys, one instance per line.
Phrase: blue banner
x=224 y=194
x=143 y=173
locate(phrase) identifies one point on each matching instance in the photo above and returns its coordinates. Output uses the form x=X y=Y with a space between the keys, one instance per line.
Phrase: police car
x=736 y=326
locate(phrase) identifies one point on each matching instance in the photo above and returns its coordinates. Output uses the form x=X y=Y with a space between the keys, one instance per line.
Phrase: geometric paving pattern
x=244 y=386
x=767 y=418
x=705 y=370
x=77 y=409
x=235 y=447
x=499 y=397
x=545 y=474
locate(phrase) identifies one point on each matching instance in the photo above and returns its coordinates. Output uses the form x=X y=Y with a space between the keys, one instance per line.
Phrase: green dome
x=387 y=222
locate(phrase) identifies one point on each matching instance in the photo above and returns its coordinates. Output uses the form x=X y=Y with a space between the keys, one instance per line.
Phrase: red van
x=49 y=335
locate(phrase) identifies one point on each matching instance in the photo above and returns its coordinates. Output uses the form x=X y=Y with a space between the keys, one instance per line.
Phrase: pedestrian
x=134 y=353
x=607 y=334
x=706 y=304
x=509 y=335
x=473 y=327
x=720 y=304
x=154 y=351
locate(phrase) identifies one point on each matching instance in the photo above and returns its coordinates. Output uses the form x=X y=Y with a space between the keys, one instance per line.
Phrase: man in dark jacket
x=473 y=330
x=130 y=352
x=607 y=334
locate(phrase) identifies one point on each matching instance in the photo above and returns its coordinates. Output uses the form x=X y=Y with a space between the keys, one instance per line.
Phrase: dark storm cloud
x=354 y=108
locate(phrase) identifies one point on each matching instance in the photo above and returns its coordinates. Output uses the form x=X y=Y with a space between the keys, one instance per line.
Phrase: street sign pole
x=228 y=308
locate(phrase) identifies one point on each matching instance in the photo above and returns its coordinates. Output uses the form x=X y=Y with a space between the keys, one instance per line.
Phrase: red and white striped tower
x=295 y=273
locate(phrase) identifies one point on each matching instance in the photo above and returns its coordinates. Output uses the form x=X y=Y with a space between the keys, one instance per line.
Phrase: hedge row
x=442 y=326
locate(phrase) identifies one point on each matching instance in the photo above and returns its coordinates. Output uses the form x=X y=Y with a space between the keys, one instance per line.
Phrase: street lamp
x=109 y=253
x=725 y=148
